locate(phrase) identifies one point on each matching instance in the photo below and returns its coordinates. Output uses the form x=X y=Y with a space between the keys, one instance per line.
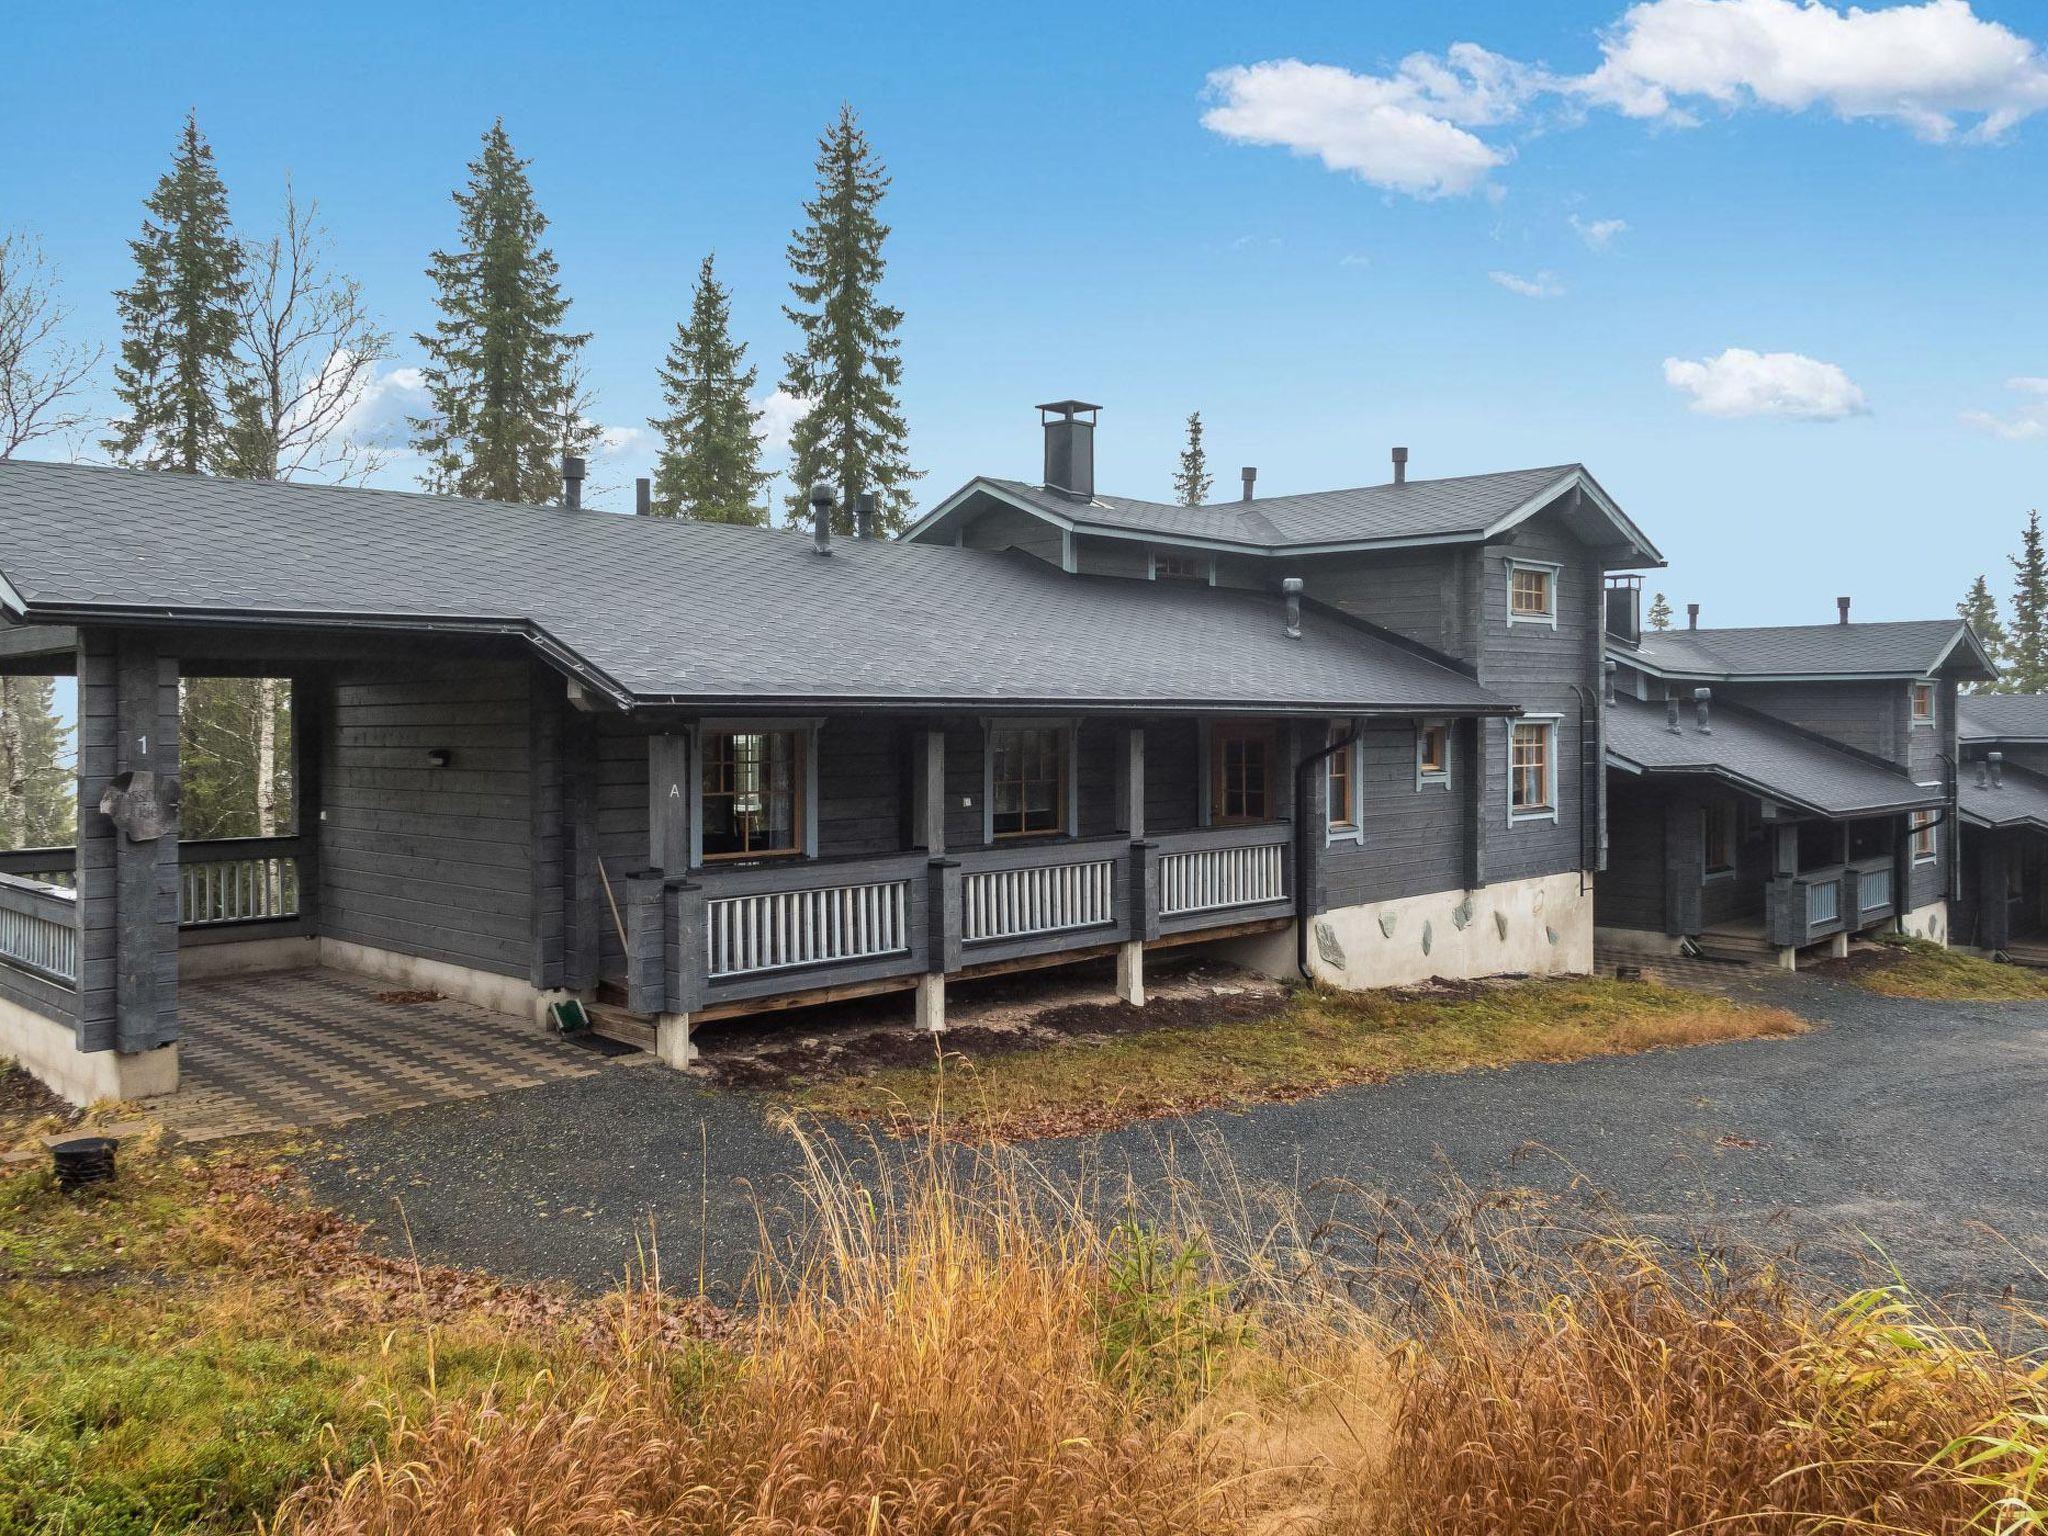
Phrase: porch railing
x=238 y=880
x=39 y=929
x=1873 y=890
x=1037 y=899
x=45 y=866
x=1211 y=879
x=1804 y=908
x=778 y=930
x=1824 y=902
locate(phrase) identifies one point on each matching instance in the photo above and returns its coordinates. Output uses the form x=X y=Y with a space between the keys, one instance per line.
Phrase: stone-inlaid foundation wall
x=1928 y=922
x=1537 y=927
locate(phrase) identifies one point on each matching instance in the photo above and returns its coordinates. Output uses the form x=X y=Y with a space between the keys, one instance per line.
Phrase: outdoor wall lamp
x=437 y=757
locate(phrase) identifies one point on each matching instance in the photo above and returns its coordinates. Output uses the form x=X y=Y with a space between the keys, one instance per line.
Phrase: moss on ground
x=1905 y=967
x=1324 y=1040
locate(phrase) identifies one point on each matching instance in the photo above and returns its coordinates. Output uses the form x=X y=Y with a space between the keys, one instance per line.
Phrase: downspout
x=1301 y=789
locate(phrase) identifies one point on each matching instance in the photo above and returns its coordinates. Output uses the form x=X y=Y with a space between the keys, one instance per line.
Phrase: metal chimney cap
x=821 y=494
x=1292 y=585
x=1067 y=407
x=572 y=467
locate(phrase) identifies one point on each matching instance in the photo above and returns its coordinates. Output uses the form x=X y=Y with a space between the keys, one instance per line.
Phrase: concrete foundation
x=1536 y=927
x=672 y=1041
x=1269 y=954
x=500 y=994
x=931 y=1003
x=48 y=1051
x=1130 y=973
x=1929 y=922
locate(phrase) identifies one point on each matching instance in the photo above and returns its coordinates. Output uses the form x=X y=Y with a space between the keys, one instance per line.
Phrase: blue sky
x=1863 y=199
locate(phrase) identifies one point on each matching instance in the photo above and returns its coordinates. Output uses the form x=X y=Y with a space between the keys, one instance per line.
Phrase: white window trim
x=1933 y=707
x=1070 y=813
x=1152 y=564
x=1515 y=563
x=1710 y=876
x=1521 y=818
x=1438 y=778
x=723 y=726
x=1355 y=833
x=1933 y=853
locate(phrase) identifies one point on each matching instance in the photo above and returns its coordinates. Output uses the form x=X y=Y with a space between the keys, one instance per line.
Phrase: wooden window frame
x=1066 y=747
x=1723 y=814
x=1914 y=694
x=1925 y=825
x=1548 y=726
x=1427 y=775
x=1351 y=829
x=1550 y=572
x=1204 y=575
x=803 y=815
x=1213 y=738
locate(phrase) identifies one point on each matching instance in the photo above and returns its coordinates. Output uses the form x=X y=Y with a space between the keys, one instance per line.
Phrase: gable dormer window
x=1923 y=704
x=1532 y=592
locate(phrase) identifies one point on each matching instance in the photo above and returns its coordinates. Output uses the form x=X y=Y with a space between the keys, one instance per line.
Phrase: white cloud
x=1923 y=65
x=776 y=416
x=1355 y=259
x=377 y=415
x=1544 y=285
x=1740 y=382
x=1931 y=66
x=2029 y=419
x=1598 y=233
x=1407 y=132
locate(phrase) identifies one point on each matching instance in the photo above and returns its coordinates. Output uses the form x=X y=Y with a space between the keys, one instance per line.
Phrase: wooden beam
x=931 y=792
x=668 y=803
x=1130 y=783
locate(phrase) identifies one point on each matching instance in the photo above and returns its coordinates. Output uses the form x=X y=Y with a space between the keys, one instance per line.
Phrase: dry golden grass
x=1918 y=968
x=1325 y=1040
x=967 y=1350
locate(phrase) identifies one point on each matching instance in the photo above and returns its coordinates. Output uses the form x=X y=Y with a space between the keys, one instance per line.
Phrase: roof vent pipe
x=1292 y=587
x=1671 y=713
x=1692 y=615
x=821 y=517
x=1983 y=774
x=643 y=497
x=1997 y=760
x=1400 y=466
x=1250 y=474
x=1701 y=698
x=1842 y=608
x=1607 y=684
x=572 y=482
x=864 y=515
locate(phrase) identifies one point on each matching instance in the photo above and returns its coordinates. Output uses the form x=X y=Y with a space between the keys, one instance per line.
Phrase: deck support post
x=1838 y=946
x=1788 y=958
x=931 y=1002
x=1130 y=973
x=672 y=1040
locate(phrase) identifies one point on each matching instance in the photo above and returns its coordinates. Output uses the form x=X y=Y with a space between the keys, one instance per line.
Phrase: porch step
x=615 y=1023
x=1745 y=948
x=2029 y=952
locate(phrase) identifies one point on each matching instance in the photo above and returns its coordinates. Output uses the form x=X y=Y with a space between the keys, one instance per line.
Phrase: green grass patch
x=1908 y=967
x=1323 y=1040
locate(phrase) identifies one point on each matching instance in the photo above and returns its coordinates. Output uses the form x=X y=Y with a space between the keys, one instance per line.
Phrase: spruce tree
x=38 y=796
x=501 y=378
x=2027 y=649
x=710 y=464
x=1660 y=612
x=1979 y=609
x=1191 y=481
x=847 y=371
x=179 y=320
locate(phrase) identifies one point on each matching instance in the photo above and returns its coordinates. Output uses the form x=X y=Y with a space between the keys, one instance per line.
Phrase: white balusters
x=216 y=891
x=1209 y=879
x=1043 y=898
x=779 y=929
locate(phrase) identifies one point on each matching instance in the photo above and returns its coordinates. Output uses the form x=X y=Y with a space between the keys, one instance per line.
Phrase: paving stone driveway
x=306 y=1049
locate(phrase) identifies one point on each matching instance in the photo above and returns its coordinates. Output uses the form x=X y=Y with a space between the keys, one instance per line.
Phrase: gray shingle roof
x=1909 y=649
x=665 y=609
x=1761 y=755
x=2021 y=799
x=1461 y=507
x=2003 y=716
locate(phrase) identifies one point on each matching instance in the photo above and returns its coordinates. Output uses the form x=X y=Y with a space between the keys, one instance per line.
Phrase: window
x=1343 y=782
x=752 y=794
x=1532 y=770
x=1240 y=773
x=1027 y=780
x=1923 y=823
x=1432 y=753
x=1532 y=593
x=1923 y=703
x=1171 y=566
x=1717 y=838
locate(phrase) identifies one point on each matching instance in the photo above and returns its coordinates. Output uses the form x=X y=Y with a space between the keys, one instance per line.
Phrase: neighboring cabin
x=1779 y=787
x=2003 y=799
x=693 y=770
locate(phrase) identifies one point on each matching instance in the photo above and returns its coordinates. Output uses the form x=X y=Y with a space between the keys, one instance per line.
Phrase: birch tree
x=43 y=376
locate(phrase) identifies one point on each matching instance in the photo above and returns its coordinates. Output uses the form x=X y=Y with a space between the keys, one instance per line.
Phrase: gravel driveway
x=1911 y=1129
